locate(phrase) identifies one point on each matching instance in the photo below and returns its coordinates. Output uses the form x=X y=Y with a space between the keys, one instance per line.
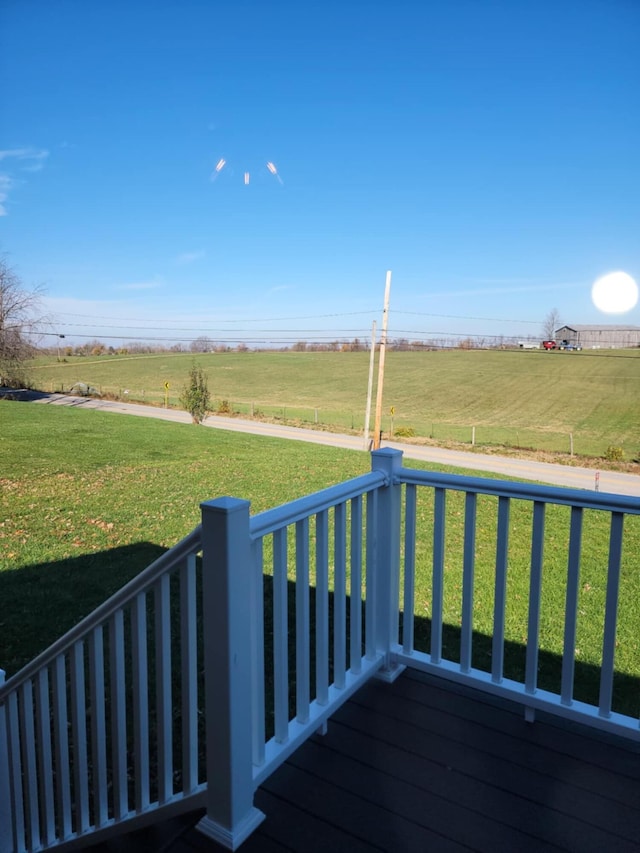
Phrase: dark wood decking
x=421 y=765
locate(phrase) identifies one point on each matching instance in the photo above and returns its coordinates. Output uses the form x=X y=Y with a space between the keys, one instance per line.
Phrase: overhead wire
x=286 y=337
x=272 y=342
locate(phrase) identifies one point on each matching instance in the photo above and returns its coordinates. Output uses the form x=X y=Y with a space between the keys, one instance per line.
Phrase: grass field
x=76 y=486
x=89 y=499
x=512 y=398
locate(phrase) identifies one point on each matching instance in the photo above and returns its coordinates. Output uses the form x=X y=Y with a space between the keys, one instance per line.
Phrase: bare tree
x=202 y=344
x=551 y=323
x=18 y=318
x=400 y=345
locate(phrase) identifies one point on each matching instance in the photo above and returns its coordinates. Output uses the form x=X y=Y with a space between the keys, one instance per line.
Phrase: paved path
x=526 y=469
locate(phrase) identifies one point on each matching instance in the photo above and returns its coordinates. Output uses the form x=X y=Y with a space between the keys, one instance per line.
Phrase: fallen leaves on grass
x=103 y=525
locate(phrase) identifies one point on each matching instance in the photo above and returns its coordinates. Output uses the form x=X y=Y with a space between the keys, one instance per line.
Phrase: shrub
x=613 y=453
x=224 y=407
x=81 y=389
x=13 y=380
x=404 y=432
x=195 y=397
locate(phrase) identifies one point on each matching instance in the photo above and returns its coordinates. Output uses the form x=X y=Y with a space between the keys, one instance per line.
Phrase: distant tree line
x=207 y=345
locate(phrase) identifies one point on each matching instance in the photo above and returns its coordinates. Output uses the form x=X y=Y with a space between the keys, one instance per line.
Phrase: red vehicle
x=548 y=344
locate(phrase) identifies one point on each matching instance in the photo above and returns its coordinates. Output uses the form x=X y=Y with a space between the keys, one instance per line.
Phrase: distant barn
x=600 y=337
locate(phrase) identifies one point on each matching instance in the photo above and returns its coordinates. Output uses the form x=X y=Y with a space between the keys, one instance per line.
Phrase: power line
x=208 y=331
x=319 y=334
x=463 y=317
x=324 y=316
x=510 y=348
x=261 y=320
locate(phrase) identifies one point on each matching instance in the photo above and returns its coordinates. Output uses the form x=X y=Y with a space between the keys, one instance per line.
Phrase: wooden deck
x=421 y=765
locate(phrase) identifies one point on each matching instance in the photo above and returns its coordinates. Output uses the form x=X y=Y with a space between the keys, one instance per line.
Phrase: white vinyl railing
x=90 y=724
x=276 y=588
x=319 y=548
x=286 y=614
x=575 y=549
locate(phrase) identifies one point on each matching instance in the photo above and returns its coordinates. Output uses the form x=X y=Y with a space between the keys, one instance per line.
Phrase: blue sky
x=484 y=152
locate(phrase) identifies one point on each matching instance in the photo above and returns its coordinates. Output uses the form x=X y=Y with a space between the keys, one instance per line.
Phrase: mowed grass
x=514 y=398
x=75 y=485
x=88 y=499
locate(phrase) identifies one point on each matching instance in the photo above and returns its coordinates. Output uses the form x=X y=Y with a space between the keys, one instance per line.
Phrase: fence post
x=6 y=828
x=226 y=583
x=387 y=560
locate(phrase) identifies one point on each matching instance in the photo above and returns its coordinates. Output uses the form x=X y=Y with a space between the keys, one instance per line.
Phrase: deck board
x=509 y=759
x=426 y=765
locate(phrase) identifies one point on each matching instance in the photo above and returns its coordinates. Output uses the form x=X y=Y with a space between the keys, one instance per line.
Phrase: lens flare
x=246 y=175
x=272 y=168
x=218 y=168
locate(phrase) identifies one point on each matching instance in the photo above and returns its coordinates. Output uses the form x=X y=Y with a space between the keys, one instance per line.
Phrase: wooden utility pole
x=372 y=358
x=383 y=347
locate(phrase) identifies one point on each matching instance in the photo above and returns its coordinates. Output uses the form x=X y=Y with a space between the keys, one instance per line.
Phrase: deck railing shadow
x=42 y=601
x=587 y=675
x=197 y=679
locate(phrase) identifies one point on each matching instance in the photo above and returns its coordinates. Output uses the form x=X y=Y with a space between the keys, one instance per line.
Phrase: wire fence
x=394 y=426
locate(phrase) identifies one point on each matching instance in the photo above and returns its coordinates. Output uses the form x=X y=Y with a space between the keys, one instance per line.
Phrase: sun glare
x=615 y=293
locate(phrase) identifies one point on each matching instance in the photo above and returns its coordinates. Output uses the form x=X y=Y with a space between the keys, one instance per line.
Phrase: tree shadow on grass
x=23 y=395
x=42 y=602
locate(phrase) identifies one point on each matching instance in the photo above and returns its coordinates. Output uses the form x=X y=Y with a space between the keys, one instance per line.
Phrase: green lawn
x=518 y=398
x=90 y=498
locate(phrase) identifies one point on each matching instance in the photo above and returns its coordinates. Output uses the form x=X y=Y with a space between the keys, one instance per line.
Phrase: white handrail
x=526 y=491
x=282 y=516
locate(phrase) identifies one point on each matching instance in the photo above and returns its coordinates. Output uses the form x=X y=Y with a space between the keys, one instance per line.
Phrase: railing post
x=226 y=571
x=6 y=829
x=387 y=560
